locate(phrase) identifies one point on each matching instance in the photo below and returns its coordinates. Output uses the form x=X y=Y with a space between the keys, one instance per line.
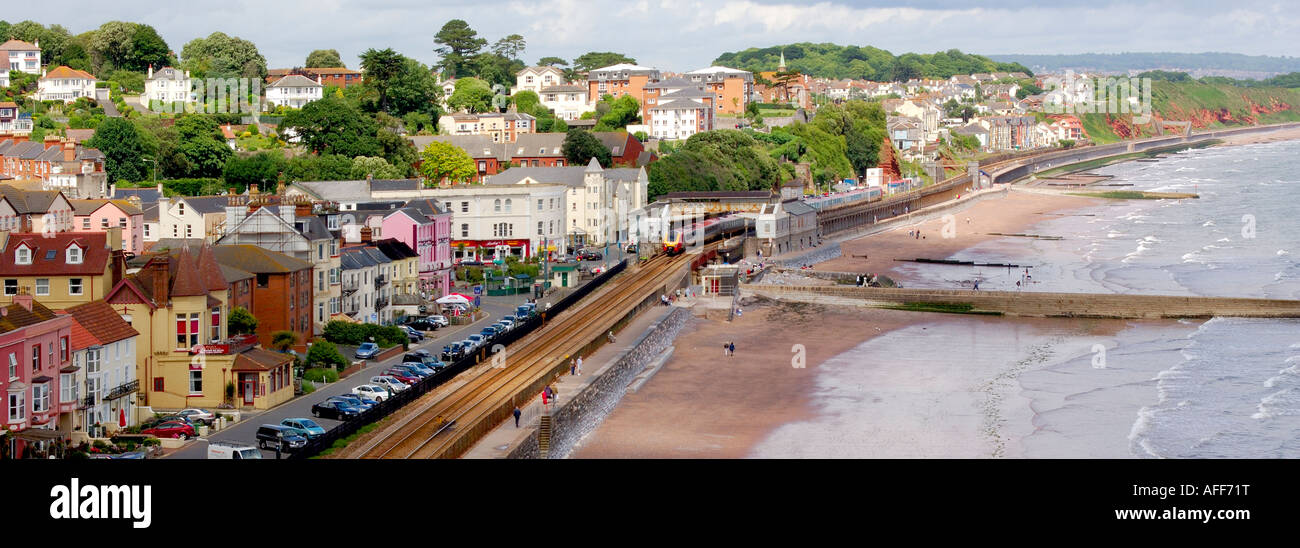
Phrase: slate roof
x=206 y=204
x=569 y=175
x=260 y=359
x=394 y=184
x=295 y=81
x=251 y=258
x=17 y=317
x=797 y=207
x=426 y=207
x=102 y=322
x=146 y=195
x=232 y=274
x=167 y=73
x=395 y=249
x=412 y=213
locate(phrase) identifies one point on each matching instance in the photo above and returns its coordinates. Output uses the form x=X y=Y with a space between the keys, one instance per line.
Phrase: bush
x=340 y=332
x=307 y=387
x=325 y=353
x=320 y=374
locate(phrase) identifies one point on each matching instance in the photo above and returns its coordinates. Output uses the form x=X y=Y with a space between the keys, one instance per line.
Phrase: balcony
x=407 y=300
x=381 y=303
x=123 y=390
x=381 y=281
x=87 y=402
x=349 y=288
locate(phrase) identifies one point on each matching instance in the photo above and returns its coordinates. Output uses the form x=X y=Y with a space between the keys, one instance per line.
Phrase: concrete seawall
x=1029 y=303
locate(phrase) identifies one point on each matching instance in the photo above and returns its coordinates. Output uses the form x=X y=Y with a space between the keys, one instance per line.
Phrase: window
x=146 y=230
x=85 y=223
x=464 y=207
x=74 y=255
x=103 y=223
x=92 y=360
x=320 y=252
x=552 y=203
x=41 y=398
x=121 y=221
x=36 y=357
x=320 y=280
x=13 y=365
x=447 y=206
x=24 y=255
x=174 y=228
x=42 y=287
x=508 y=202
x=496 y=205
x=575 y=206
x=539 y=228
x=464 y=233
x=180 y=208
x=196 y=383
x=264 y=280
x=74 y=286
x=189 y=231
x=550 y=227
x=216 y=324
x=187 y=333
x=17 y=407
x=320 y=312
x=67 y=388
x=63 y=349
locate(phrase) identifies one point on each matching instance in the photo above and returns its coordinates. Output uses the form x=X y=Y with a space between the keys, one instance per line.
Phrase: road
x=245 y=430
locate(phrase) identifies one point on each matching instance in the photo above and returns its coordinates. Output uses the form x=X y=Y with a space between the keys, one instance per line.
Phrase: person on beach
x=573 y=367
x=726 y=351
x=732 y=348
x=517 y=413
x=977 y=285
x=579 y=365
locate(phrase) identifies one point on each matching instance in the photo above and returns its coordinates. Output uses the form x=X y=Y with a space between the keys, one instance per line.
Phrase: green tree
x=381 y=67
x=262 y=168
x=324 y=58
x=459 y=43
x=241 y=322
x=283 y=340
x=622 y=111
x=580 y=146
x=123 y=147
x=324 y=353
x=322 y=167
x=471 y=95
x=445 y=161
x=510 y=47
x=600 y=59
x=551 y=61
x=375 y=167
x=413 y=89
x=223 y=56
x=333 y=126
x=147 y=49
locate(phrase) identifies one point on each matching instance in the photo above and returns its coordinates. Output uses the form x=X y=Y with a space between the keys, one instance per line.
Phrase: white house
x=168 y=85
x=20 y=55
x=294 y=90
x=103 y=358
x=928 y=115
x=526 y=218
x=601 y=202
x=534 y=79
x=679 y=118
x=65 y=84
x=568 y=102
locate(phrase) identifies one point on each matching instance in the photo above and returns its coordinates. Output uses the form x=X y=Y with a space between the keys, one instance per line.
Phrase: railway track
x=446 y=427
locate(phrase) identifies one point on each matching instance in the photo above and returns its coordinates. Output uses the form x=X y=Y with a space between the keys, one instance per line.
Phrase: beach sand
x=1289 y=134
x=1013 y=213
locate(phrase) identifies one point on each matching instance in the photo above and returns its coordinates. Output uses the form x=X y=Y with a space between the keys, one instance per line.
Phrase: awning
x=70 y=368
x=42 y=379
x=37 y=434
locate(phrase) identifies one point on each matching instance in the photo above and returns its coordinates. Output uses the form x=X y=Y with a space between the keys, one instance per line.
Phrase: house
x=501 y=127
x=906 y=133
x=99 y=215
x=600 y=202
x=358 y=271
x=408 y=293
x=625 y=150
x=191 y=217
x=328 y=76
x=103 y=347
x=491 y=215
x=732 y=88
x=65 y=84
x=13 y=122
x=167 y=86
x=1068 y=127
x=292 y=229
x=976 y=130
x=928 y=115
x=538 y=149
x=281 y=292
x=38 y=211
x=264 y=378
x=680 y=117
x=21 y=56
x=622 y=79
x=35 y=348
x=58 y=163
x=384 y=273
x=567 y=101
x=425 y=227
x=534 y=79
x=294 y=91
x=62 y=269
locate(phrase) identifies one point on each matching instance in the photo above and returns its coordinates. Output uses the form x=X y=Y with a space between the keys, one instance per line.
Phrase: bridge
x=1031 y=303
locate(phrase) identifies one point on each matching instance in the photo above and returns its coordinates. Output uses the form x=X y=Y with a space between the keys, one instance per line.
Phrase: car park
x=195 y=414
x=307 y=425
x=415 y=369
x=171 y=429
x=354 y=400
x=392 y=384
x=283 y=436
x=373 y=391
x=424 y=359
x=232 y=450
x=476 y=340
x=422 y=325
x=412 y=334
x=334 y=409
x=366 y=351
x=441 y=321
x=452 y=352
x=489 y=332
x=402 y=375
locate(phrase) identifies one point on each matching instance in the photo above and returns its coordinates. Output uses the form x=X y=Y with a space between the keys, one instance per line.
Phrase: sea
x=1219 y=388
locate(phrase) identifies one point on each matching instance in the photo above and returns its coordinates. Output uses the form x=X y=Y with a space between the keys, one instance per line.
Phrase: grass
x=945 y=308
x=308 y=387
x=777 y=113
x=340 y=444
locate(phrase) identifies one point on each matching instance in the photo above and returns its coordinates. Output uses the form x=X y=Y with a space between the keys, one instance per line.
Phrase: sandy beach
x=1013 y=213
x=1289 y=134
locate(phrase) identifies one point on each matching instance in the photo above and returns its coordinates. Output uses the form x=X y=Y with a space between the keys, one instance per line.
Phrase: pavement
x=498 y=443
x=245 y=430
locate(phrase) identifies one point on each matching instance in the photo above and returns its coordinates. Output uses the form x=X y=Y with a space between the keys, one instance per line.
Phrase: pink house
x=426 y=228
x=100 y=215
x=34 y=351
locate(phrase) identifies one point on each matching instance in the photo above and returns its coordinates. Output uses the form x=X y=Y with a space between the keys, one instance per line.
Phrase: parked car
x=631 y=248
x=366 y=351
x=171 y=429
x=452 y=352
x=507 y=324
x=306 y=425
x=442 y=321
x=476 y=340
x=526 y=310
x=275 y=434
x=391 y=383
x=373 y=391
x=586 y=255
x=230 y=450
x=423 y=358
x=334 y=409
x=470 y=262
x=413 y=334
x=416 y=370
x=402 y=375
x=353 y=399
x=420 y=368
x=198 y=415
x=489 y=332
x=422 y=325
x=157 y=420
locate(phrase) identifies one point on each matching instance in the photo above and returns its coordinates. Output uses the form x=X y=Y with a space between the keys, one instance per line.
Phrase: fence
x=414 y=391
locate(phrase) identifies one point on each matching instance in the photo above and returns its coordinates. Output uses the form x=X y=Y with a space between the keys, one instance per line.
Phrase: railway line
x=446 y=427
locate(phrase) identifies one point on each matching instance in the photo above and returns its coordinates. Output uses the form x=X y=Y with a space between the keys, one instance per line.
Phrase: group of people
x=915 y=234
x=729 y=349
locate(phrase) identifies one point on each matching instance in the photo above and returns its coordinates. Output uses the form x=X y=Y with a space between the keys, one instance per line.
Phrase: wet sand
x=1014 y=213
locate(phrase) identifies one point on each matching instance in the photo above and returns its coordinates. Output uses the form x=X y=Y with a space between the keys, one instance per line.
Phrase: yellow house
x=61 y=269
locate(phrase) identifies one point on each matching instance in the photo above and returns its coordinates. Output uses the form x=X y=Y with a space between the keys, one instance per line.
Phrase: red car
x=171 y=429
x=402 y=376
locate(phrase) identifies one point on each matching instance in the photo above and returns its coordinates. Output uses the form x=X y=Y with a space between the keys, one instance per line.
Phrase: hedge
x=341 y=332
x=320 y=374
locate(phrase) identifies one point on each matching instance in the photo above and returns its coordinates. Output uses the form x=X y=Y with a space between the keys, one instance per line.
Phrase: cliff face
x=1205 y=106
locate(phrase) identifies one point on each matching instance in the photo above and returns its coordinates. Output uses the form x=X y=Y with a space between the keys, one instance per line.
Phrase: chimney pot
x=24 y=301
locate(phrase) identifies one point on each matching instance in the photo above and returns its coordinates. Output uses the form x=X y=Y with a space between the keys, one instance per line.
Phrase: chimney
x=187 y=75
x=365 y=234
x=69 y=151
x=154 y=276
x=150 y=76
x=24 y=301
x=160 y=189
x=302 y=208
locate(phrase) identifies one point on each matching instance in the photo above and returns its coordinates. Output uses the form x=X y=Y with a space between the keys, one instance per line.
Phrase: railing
x=87 y=402
x=407 y=300
x=389 y=406
x=381 y=303
x=380 y=281
x=123 y=389
x=350 y=287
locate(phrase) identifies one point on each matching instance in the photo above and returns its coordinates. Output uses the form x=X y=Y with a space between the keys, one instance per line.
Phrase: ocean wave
x=1282 y=252
x=1208 y=223
x=1269 y=406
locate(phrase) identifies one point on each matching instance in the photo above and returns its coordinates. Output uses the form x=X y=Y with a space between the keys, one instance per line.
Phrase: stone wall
x=585 y=411
x=825 y=252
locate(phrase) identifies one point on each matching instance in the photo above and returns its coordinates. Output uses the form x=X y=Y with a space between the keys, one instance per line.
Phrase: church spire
x=781 y=67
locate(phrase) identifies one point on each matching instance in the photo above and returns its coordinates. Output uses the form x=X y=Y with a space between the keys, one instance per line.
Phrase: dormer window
x=23 y=255
x=74 y=254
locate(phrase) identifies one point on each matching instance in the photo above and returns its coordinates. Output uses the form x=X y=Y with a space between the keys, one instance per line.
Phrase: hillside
x=865 y=62
x=1220 y=63
x=1205 y=105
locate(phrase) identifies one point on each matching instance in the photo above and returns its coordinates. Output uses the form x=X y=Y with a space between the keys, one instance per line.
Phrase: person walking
x=573 y=367
x=579 y=368
x=517 y=413
x=546 y=395
x=732 y=348
x=725 y=350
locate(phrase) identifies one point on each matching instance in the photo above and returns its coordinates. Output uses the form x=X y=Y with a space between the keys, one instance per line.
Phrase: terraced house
x=34 y=348
x=60 y=269
x=103 y=362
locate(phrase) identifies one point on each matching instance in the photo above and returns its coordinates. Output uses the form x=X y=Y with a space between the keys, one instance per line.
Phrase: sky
x=681 y=35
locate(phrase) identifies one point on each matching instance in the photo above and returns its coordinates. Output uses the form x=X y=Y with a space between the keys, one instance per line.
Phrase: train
x=869 y=194
x=703 y=232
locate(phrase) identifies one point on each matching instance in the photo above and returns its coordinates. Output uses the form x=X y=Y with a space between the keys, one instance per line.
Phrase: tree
x=223 y=56
x=262 y=169
x=510 y=47
x=381 y=67
x=123 y=147
x=147 y=49
x=445 y=161
x=471 y=95
x=324 y=58
x=241 y=322
x=324 y=353
x=283 y=340
x=333 y=126
x=599 y=59
x=413 y=89
x=551 y=61
x=580 y=146
x=622 y=111
x=378 y=168
x=459 y=43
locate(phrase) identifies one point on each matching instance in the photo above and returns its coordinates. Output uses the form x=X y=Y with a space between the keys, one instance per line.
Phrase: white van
x=229 y=450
